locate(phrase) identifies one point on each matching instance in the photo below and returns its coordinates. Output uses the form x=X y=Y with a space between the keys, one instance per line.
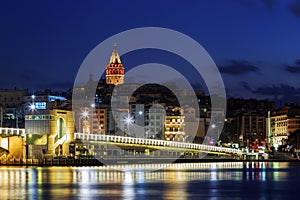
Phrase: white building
x=283 y=122
x=155 y=121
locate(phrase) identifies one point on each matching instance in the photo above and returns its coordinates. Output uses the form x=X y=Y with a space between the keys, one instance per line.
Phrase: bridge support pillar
x=50 y=146
x=65 y=146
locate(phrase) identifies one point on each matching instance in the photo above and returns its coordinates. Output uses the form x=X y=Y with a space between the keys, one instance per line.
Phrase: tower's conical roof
x=115 y=58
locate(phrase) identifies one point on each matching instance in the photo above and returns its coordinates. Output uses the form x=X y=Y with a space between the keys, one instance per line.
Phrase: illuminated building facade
x=92 y=120
x=283 y=122
x=49 y=132
x=99 y=121
x=12 y=149
x=174 y=128
x=174 y=124
x=115 y=69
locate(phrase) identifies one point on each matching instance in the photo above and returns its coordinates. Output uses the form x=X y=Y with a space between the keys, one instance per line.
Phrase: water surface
x=176 y=181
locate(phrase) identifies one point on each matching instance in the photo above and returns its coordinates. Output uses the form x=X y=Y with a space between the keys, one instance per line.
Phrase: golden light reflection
x=128 y=187
x=88 y=182
x=10 y=180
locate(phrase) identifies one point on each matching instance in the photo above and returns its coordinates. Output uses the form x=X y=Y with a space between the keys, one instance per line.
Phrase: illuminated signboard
x=40 y=105
x=54 y=98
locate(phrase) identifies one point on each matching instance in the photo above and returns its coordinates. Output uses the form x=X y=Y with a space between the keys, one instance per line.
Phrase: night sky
x=255 y=43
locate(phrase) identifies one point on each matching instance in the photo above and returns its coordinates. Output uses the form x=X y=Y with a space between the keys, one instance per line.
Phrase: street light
x=214 y=126
x=84 y=115
x=140 y=113
x=32 y=107
x=128 y=121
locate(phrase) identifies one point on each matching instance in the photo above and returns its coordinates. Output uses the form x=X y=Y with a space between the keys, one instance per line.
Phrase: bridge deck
x=154 y=142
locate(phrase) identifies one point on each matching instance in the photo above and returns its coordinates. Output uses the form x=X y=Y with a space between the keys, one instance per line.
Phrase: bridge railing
x=12 y=131
x=154 y=142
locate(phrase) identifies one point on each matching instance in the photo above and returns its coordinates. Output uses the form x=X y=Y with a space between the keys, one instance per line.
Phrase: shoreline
x=132 y=161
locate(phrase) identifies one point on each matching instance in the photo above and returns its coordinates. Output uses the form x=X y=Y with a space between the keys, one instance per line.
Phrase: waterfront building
x=247 y=122
x=148 y=119
x=99 y=121
x=91 y=120
x=12 y=148
x=49 y=132
x=283 y=122
x=174 y=124
x=155 y=121
x=174 y=128
x=251 y=127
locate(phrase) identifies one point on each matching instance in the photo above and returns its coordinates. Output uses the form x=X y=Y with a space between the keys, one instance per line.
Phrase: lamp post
x=31 y=106
x=128 y=121
x=84 y=115
x=214 y=126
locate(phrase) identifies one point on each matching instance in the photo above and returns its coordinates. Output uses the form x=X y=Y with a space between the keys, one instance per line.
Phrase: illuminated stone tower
x=115 y=69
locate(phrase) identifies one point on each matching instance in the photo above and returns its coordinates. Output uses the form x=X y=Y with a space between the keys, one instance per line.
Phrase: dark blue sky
x=255 y=43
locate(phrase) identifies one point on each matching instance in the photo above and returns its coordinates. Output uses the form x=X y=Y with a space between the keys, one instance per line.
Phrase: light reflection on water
x=177 y=181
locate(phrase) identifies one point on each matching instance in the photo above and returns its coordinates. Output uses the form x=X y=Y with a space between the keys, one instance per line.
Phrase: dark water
x=176 y=181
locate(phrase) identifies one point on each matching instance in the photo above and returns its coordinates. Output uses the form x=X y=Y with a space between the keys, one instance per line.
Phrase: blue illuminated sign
x=40 y=105
x=54 y=98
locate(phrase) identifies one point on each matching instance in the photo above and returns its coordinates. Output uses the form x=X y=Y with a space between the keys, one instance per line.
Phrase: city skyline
x=253 y=43
x=150 y=99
